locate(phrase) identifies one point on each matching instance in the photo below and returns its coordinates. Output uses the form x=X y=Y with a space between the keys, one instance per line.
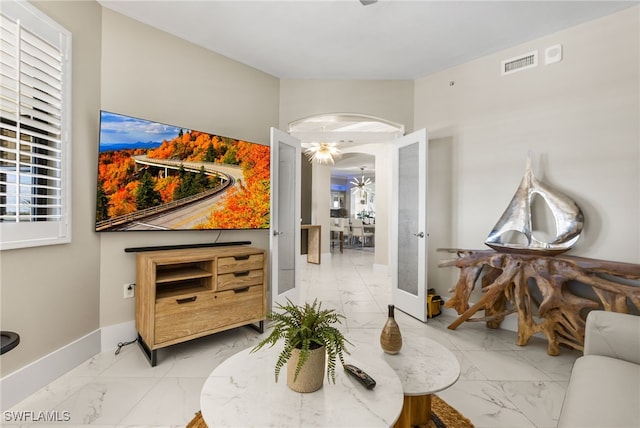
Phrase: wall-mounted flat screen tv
x=153 y=176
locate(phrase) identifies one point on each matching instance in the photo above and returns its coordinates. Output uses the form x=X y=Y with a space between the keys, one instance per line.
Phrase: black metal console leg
x=152 y=355
x=259 y=328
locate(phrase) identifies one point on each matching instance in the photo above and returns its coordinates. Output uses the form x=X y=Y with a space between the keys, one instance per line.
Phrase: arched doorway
x=362 y=141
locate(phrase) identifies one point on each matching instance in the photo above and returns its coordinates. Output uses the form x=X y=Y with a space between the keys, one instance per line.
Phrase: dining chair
x=357 y=232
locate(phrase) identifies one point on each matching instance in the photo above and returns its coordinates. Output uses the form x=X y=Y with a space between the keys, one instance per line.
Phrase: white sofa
x=604 y=388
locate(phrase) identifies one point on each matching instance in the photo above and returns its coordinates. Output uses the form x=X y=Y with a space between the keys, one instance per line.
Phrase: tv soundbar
x=182 y=246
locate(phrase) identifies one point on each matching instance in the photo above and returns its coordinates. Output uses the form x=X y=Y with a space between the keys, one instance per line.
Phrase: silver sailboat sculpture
x=568 y=216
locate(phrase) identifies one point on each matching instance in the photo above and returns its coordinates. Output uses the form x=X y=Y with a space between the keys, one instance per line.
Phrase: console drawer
x=239 y=279
x=240 y=304
x=183 y=315
x=194 y=313
x=240 y=263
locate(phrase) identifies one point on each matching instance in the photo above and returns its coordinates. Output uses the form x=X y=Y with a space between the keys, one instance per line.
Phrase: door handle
x=186 y=300
x=276 y=233
x=419 y=235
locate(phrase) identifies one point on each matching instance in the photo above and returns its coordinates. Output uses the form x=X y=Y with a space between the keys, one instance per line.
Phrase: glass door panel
x=408 y=269
x=285 y=217
x=409 y=225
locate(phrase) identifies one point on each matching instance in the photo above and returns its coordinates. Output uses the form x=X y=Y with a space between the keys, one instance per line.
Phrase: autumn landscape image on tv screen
x=153 y=176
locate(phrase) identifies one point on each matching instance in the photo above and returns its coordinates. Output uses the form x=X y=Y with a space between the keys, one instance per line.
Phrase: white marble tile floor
x=501 y=384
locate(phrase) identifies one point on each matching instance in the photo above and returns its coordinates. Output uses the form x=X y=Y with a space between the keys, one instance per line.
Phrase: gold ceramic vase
x=311 y=375
x=391 y=338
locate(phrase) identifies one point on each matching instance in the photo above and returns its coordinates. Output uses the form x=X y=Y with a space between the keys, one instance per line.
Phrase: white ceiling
x=342 y=39
x=349 y=166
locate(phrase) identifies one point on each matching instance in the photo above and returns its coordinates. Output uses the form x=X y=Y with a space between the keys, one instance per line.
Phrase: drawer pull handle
x=243 y=273
x=241 y=290
x=244 y=257
x=186 y=300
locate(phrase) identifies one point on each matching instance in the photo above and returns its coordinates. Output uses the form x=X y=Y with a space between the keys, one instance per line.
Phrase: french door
x=284 y=241
x=409 y=235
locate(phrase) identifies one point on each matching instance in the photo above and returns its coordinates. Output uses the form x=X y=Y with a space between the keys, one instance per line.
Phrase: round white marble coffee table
x=242 y=392
x=423 y=365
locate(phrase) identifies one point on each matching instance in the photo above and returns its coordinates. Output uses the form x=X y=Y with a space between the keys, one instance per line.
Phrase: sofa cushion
x=613 y=334
x=603 y=392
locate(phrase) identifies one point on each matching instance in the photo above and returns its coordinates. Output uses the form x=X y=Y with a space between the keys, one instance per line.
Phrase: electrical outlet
x=129 y=290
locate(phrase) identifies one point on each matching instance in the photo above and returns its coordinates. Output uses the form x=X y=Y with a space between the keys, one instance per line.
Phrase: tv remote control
x=360 y=376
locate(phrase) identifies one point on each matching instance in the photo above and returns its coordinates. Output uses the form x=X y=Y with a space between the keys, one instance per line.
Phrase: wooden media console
x=182 y=294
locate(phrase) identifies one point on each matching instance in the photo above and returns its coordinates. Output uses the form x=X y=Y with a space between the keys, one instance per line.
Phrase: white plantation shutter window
x=35 y=89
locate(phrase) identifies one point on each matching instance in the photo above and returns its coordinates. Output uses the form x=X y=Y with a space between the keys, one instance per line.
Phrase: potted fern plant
x=311 y=339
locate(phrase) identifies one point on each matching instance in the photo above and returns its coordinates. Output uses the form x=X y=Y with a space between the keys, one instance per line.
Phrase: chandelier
x=322 y=153
x=361 y=185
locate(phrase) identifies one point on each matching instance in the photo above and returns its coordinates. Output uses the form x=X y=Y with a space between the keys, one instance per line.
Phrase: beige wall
x=51 y=295
x=387 y=99
x=149 y=74
x=580 y=117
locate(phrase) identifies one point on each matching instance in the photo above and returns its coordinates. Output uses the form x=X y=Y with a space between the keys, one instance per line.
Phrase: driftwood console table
x=551 y=294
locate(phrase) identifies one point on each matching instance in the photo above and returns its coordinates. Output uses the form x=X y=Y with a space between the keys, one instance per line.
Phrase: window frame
x=18 y=233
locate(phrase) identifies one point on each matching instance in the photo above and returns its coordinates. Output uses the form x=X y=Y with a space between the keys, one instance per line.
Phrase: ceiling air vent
x=519 y=63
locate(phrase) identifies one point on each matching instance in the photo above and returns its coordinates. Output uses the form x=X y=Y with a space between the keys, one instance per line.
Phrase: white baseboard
x=114 y=334
x=510 y=323
x=18 y=385
x=383 y=269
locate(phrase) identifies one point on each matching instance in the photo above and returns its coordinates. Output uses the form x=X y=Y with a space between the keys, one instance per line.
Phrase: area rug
x=442 y=416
